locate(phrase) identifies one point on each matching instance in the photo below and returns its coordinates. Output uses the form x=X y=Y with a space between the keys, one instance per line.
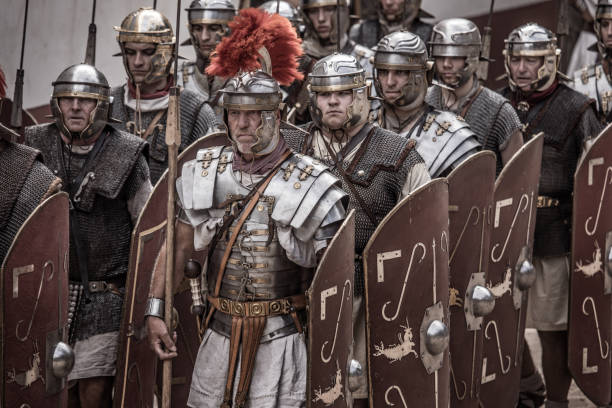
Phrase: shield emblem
x=509 y=274
x=330 y=321
x=406 y=282
x=469 y=233
x=136 y=362
x=35 y=310
x=590 y=279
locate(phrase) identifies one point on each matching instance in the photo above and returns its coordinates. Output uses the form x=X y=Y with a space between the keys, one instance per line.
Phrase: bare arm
x=514 y=144
x=157 y=331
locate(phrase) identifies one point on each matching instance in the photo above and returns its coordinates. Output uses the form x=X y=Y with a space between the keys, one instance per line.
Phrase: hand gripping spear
x=90 y=51
x=173 y=139
x=16 y=112
x=485 y=53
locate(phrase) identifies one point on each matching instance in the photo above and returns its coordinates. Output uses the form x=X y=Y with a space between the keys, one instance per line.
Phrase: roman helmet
x=603 y=11
x=457 y=37
x=211 y=12
x=286 y=10
x=533 y=40
x=344 y=17
x=146 y=25
x=82 y=81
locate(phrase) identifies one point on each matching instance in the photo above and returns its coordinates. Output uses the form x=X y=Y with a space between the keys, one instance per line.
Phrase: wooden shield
x=513 y=218
x=406 y=282
x=330 y=321
x=136 y=377
x=35 y=308
x=590 y=280
x=470 y=196
x=6 y=107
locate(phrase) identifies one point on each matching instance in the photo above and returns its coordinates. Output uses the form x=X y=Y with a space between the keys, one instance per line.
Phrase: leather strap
x=252 y=330
x=233 y=351
x=153 y=123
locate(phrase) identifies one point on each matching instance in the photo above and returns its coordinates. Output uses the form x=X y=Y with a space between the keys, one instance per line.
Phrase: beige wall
x=57 y=34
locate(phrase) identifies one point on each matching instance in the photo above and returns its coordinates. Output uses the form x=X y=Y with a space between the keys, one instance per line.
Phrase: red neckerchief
x=154 y=95
x=260 y=165
x=533 y=97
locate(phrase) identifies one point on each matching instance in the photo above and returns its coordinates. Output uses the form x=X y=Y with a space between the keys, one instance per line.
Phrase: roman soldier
x=147 y=43
x=392 y=16
x=105 y=173
x=595 y=81
x=401 y=76
x=244 y=204
x=568 y=120
x=377 y=167
x=208 y=24
x=457 y=89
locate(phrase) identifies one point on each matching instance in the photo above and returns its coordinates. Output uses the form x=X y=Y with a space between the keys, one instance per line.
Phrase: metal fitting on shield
x=525 y=271
x=434 y=338
x=483 y=301
x=63 y=360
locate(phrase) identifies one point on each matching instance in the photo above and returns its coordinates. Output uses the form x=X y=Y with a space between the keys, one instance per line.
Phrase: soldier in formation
x=568 y=119
x=141 y=105
x=208 y=24
x=105 y=173
x=391 y=16
x=490 y=116
x=401 y=76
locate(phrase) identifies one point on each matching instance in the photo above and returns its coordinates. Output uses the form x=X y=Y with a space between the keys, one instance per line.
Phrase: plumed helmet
x=404 y=51
x=146 y=25
x=308 y=5
x=340 y=72
x=603 y=12
x=457 y=37
x=210 y=12
x=82 y=81
x=533 y=40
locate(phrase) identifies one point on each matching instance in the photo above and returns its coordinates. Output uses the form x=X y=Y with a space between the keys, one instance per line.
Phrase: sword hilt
x=193 y=271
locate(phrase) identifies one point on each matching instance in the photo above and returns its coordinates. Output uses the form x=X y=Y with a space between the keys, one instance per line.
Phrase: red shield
x=470 y=231
x=330 y=322
x=35 y=307
x=513 y=218
x=136 y=363
x=406 y=281
x=591 y=282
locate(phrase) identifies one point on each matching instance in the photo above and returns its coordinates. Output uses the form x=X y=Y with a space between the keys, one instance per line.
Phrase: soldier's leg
x=73 y=395
x=532 y=391
x=96 y=392
x=554 y=365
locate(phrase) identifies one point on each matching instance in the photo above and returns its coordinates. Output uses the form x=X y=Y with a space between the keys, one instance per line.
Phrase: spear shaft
x=90 y=51
x=17 y=109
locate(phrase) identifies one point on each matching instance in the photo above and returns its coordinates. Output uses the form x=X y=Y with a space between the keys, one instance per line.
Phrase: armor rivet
x=260 y=208
x=360 y=173
x=433 y=139
x=297 y=185
x=204 y=173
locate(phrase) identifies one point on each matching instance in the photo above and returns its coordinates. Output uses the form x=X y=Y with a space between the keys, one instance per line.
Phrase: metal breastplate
x=593 y=82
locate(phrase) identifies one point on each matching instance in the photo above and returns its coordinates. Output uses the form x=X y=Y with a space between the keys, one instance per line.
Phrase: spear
x=90 y=51
x=155 y=8
x=16 y=112
x=173 y=139
x=338 y=46
x=485 y=53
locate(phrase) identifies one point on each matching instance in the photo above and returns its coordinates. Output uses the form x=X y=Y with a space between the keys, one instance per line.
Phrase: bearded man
x=455 y=46
x=147 y=43
x=106 y=175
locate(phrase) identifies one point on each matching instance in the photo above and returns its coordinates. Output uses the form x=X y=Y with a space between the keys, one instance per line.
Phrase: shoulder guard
x=305 y=191
x=196 y=186
x=445 y=138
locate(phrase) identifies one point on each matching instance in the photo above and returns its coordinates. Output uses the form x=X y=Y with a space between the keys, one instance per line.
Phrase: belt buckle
x=257 y=309
x=93 y=286
x=280 y=307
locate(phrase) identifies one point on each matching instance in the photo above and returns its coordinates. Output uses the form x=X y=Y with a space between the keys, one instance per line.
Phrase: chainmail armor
x=378 y=172
x=190 y=77
x=25 y=182
x=369 y=32
x=102 y=214
x=570 y=119
x=196 y=119
x=490 y=116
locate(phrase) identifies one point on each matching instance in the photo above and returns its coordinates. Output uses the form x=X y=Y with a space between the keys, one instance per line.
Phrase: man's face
x=207 y=36
x=139 y=57
x=392 y=81
x=449 y=69
x=76 y=112
x=524 y=70
x=334 y=107
x=322 y=18
x=392 y=9
x=605 y=28
x=242 y=126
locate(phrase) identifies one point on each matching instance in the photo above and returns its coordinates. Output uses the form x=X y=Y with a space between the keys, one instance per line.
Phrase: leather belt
x=103 y=286
x=277 y=307
x=547 y=202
